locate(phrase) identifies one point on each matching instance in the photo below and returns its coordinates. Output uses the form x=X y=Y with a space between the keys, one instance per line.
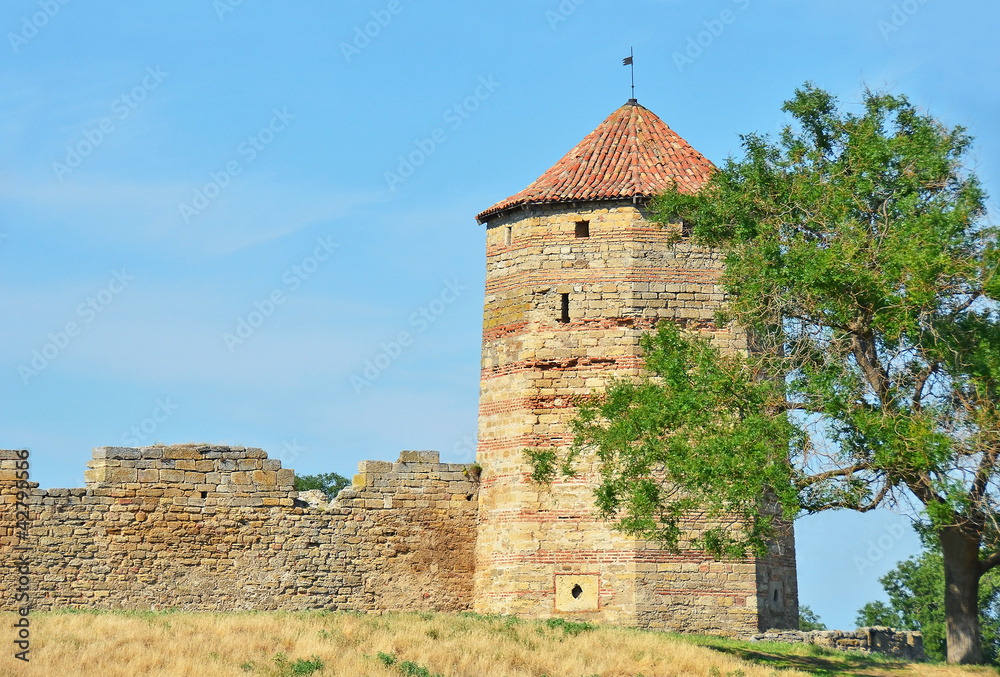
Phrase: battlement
x=210 y=527
x=199 y=471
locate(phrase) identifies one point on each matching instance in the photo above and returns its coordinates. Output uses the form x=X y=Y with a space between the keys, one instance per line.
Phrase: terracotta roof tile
x=631 y=154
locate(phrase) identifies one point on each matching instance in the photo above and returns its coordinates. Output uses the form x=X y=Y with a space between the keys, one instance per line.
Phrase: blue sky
x=173 y=173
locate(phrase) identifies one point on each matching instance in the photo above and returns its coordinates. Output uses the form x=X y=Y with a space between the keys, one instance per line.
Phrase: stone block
x=171 y=475
x=366 y=467
x=265 y=478
x=122 y=475
x=182 y=453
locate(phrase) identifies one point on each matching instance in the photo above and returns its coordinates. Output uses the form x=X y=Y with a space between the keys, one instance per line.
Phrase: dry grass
x=818 y=661
x=123 y=644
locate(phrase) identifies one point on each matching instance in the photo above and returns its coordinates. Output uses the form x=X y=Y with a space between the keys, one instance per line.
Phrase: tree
x=860 y=267
x=915 y=588
x=329 y=483
x=808 y=620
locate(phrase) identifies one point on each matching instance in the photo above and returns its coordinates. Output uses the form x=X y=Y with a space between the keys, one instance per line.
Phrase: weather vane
x=629 y=61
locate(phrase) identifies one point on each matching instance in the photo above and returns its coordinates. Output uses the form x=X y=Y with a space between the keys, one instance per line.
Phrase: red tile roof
x=631 y=154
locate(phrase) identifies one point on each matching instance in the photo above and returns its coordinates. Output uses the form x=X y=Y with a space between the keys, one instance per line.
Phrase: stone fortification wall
x=616 y=274
x=220 y=528
x=905 y=644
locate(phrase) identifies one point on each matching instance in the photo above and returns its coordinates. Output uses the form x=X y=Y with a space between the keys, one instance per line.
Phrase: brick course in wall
x=221 y=528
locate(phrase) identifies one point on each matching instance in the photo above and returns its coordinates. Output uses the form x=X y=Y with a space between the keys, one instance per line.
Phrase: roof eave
x=493 y=212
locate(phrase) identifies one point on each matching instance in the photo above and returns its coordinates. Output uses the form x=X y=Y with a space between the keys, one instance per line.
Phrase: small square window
x=583 y=228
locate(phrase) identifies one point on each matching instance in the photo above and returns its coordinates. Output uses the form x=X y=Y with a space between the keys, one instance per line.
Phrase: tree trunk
x=961 y=595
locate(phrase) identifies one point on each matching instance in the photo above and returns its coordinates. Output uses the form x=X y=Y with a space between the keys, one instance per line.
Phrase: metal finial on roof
x=630 y=61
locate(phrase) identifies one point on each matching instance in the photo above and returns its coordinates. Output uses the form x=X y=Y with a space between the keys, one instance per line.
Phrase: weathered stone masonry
x=220 y=528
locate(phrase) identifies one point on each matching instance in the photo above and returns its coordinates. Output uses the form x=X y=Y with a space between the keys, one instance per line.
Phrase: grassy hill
x=126 y=644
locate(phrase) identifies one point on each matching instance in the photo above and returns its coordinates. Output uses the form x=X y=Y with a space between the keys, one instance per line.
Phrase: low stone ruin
x=905 y=644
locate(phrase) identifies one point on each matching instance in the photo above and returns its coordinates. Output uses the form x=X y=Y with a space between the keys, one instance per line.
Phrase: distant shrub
x=329 y=483
x=301 y=666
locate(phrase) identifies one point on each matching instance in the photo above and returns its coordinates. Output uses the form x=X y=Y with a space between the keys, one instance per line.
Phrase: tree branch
x=830 y=474
x=983 y=473
x=918 y=387
x=988 y=563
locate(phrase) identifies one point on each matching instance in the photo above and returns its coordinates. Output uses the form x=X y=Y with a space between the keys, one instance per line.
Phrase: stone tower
x=575 y=274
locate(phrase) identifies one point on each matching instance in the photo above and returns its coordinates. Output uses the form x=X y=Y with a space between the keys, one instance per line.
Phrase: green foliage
x=300 y=666
x=408 y=668
x=543 y=464
x=915 y=588
x=569 y=628
x=668 y=442
x=808 y=620
x=329 y=483
x=411 y=669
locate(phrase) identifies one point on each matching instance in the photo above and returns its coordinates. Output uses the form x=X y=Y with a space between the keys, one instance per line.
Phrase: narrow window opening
x=508 y=235
x=565 y=308
x=583 y=228
x=775 y=594
x=576 y=591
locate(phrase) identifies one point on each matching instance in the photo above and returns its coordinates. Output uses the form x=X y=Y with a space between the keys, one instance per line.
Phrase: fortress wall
x=220 y=528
